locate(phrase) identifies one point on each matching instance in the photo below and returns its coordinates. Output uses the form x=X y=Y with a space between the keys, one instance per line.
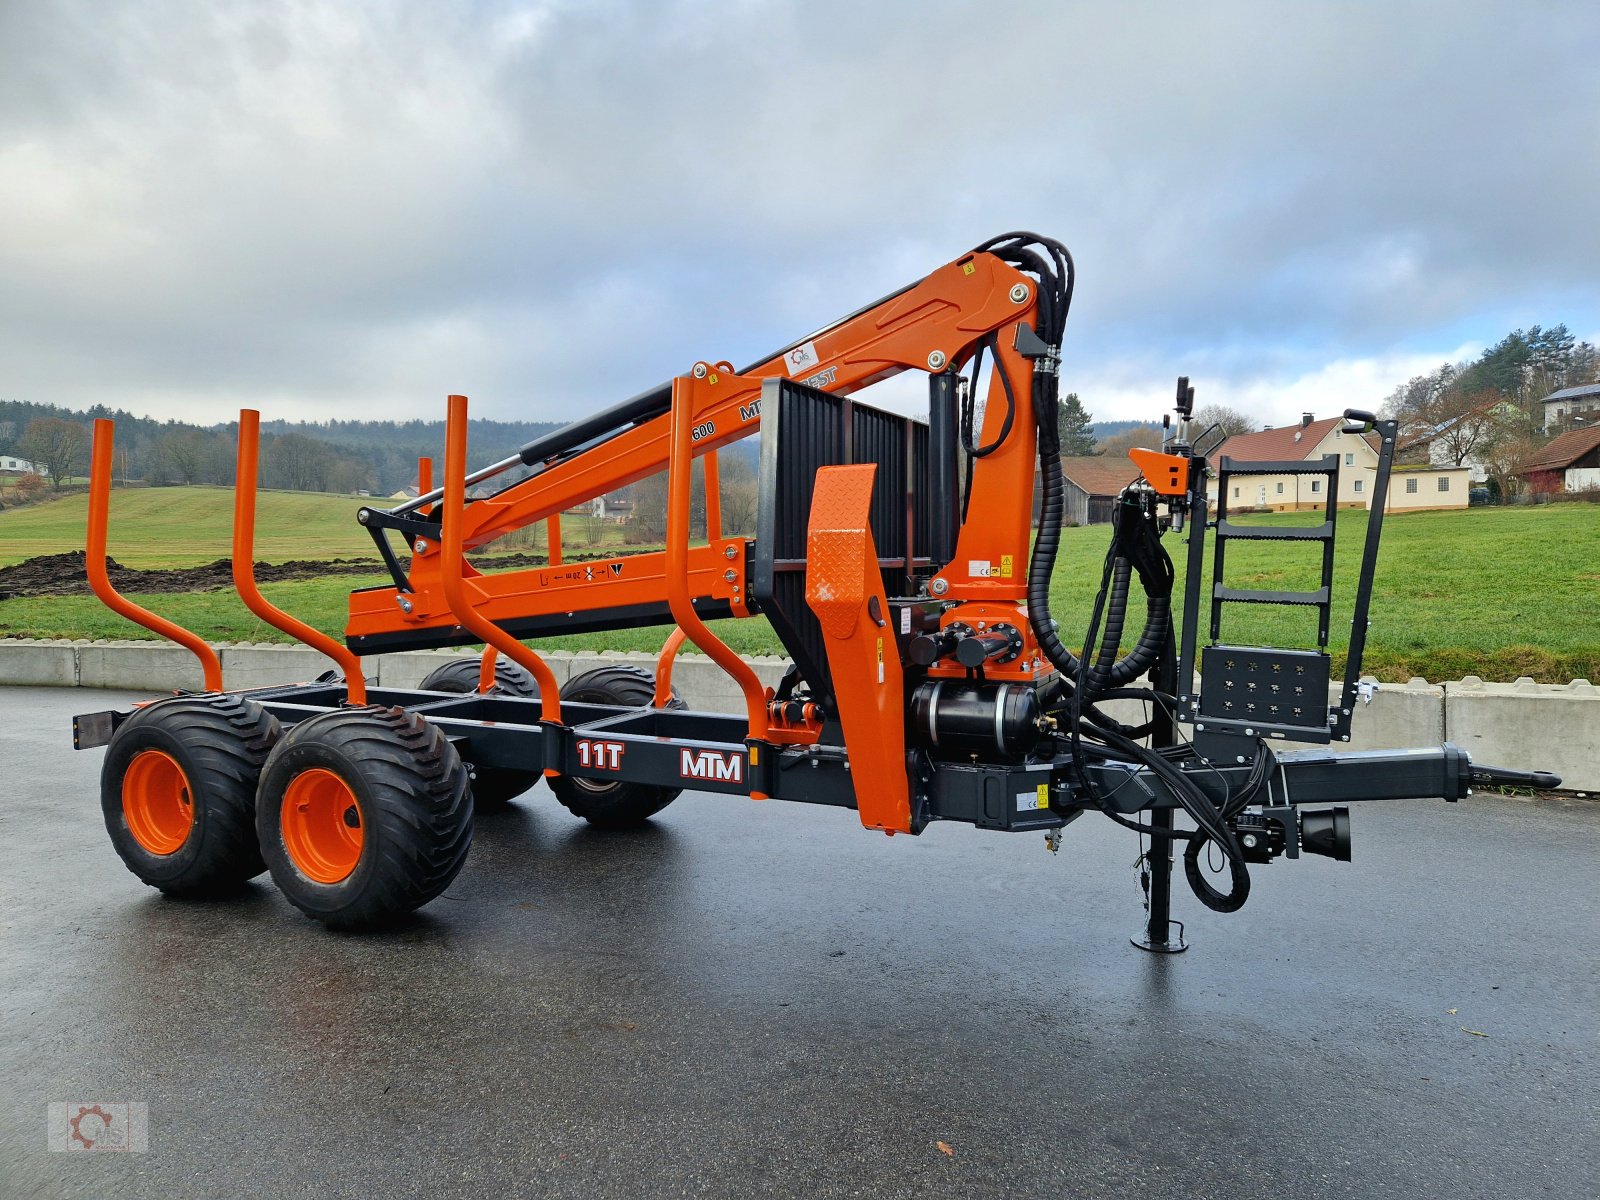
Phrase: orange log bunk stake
x=99 y=515
x=244 y=564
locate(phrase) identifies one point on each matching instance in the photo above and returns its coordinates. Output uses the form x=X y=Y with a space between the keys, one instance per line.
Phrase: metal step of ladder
x=1325 y=468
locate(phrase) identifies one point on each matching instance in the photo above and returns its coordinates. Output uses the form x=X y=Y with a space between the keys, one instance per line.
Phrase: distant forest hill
x=317 y=456
x=1110 y=429
x=326 y=456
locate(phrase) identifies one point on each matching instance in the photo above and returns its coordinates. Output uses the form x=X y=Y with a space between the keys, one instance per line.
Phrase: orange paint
x=323 y=827
x=991 y=560
x=669 y=652
x=1168 y=474
x=95 y=563
x=244 y=564
x=462 y=596
x=690 y=398
x=842 y=583
x=156 y=802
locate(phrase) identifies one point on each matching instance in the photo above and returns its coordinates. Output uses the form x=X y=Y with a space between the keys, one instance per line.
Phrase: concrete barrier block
x=408 y=668
x=266 y=665
x=139 y=666
x=1395 y=716
x=1398 y=716
x=706 y=687
x=1529 y=726
x=38 y=663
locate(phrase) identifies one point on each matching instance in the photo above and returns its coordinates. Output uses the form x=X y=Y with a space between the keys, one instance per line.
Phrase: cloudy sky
x=351 y=209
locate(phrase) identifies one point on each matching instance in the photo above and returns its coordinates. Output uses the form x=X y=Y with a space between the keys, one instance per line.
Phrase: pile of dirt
x=65 y=574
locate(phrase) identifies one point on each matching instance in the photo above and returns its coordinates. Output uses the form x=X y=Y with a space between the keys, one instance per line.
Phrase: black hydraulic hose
x=1116 y=612
x=969 y=408
x=1195 y=802
x=1226 y=902
x=1139 y=541
x=1146 y=556
x=1048 y=540
x=1142 y=657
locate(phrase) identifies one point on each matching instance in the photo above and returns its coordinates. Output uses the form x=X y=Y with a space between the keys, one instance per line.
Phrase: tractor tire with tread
x=178 y=792
x=619 y=804
x=492 y=787
x=396 y=807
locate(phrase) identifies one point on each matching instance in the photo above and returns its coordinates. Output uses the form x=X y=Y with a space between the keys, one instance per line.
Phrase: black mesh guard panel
x=803 y=429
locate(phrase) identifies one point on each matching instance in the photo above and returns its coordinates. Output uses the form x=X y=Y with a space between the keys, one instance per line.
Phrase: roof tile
x=1564 y=450
x=1274 y=445
x=1099 y=475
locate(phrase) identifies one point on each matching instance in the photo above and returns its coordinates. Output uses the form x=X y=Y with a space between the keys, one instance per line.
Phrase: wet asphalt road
x=766 y=1000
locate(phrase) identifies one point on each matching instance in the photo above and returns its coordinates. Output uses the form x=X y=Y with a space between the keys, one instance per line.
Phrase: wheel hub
x=156 y=802
x=322 y=829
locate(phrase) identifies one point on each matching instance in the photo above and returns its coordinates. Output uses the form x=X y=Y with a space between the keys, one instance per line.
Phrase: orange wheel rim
x=156 y=802
x=322 y=826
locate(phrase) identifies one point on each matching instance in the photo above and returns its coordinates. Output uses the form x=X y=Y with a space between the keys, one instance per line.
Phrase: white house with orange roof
x=1409 y=488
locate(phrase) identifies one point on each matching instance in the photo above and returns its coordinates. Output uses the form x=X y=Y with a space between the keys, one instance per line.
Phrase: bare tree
x=739 y=495
x=1457 y=425
x=1504 y=457
x=649 y=521
x=57 y=446
x=1147 y=436
x=186 y=454
x=1230 y=420
x=296 y=463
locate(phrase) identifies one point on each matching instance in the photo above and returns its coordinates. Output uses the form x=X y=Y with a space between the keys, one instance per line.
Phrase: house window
x=1280 y=489
x=1316 y=485
x=1361 y=486
x=1349 y=460
x=1444 y=483
x=1235 y=493
x=1411 y=486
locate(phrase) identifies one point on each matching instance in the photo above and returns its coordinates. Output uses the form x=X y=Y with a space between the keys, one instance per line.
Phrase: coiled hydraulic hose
x=1136 y=547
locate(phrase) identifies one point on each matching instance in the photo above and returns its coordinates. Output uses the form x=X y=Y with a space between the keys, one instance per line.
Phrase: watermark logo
x=103 y=1125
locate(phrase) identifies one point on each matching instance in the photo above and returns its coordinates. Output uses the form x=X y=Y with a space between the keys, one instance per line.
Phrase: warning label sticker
x=1034 y=801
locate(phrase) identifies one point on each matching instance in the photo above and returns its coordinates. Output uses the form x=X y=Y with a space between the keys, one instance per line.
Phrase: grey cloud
x=355 y=208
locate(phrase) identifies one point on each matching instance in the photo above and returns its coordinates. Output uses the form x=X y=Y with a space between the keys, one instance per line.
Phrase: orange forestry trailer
x=899 y=562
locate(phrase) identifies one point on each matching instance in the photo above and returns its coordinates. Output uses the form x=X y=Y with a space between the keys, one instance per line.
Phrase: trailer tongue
x=897 y=561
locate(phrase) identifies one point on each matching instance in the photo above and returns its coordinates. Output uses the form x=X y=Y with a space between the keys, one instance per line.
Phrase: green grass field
x=188 y=526
x=1494 y=592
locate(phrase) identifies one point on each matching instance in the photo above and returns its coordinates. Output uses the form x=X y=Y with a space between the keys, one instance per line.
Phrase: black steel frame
x=707 y=752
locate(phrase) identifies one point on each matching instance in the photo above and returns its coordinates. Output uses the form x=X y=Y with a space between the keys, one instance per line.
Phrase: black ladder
x=1258 y=692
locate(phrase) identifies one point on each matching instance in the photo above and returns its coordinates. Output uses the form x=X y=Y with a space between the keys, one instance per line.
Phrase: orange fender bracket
x=845 y=589
x=1167 y=473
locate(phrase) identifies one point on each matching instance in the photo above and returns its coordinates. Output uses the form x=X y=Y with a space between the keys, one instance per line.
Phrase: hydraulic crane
x=903 y=564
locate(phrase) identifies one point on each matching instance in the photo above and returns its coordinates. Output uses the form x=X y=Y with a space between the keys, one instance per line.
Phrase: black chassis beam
x=1304 y=777
x=707 y=752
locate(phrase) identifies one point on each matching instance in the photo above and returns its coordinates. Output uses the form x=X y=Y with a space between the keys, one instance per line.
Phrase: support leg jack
x=1156 y=875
